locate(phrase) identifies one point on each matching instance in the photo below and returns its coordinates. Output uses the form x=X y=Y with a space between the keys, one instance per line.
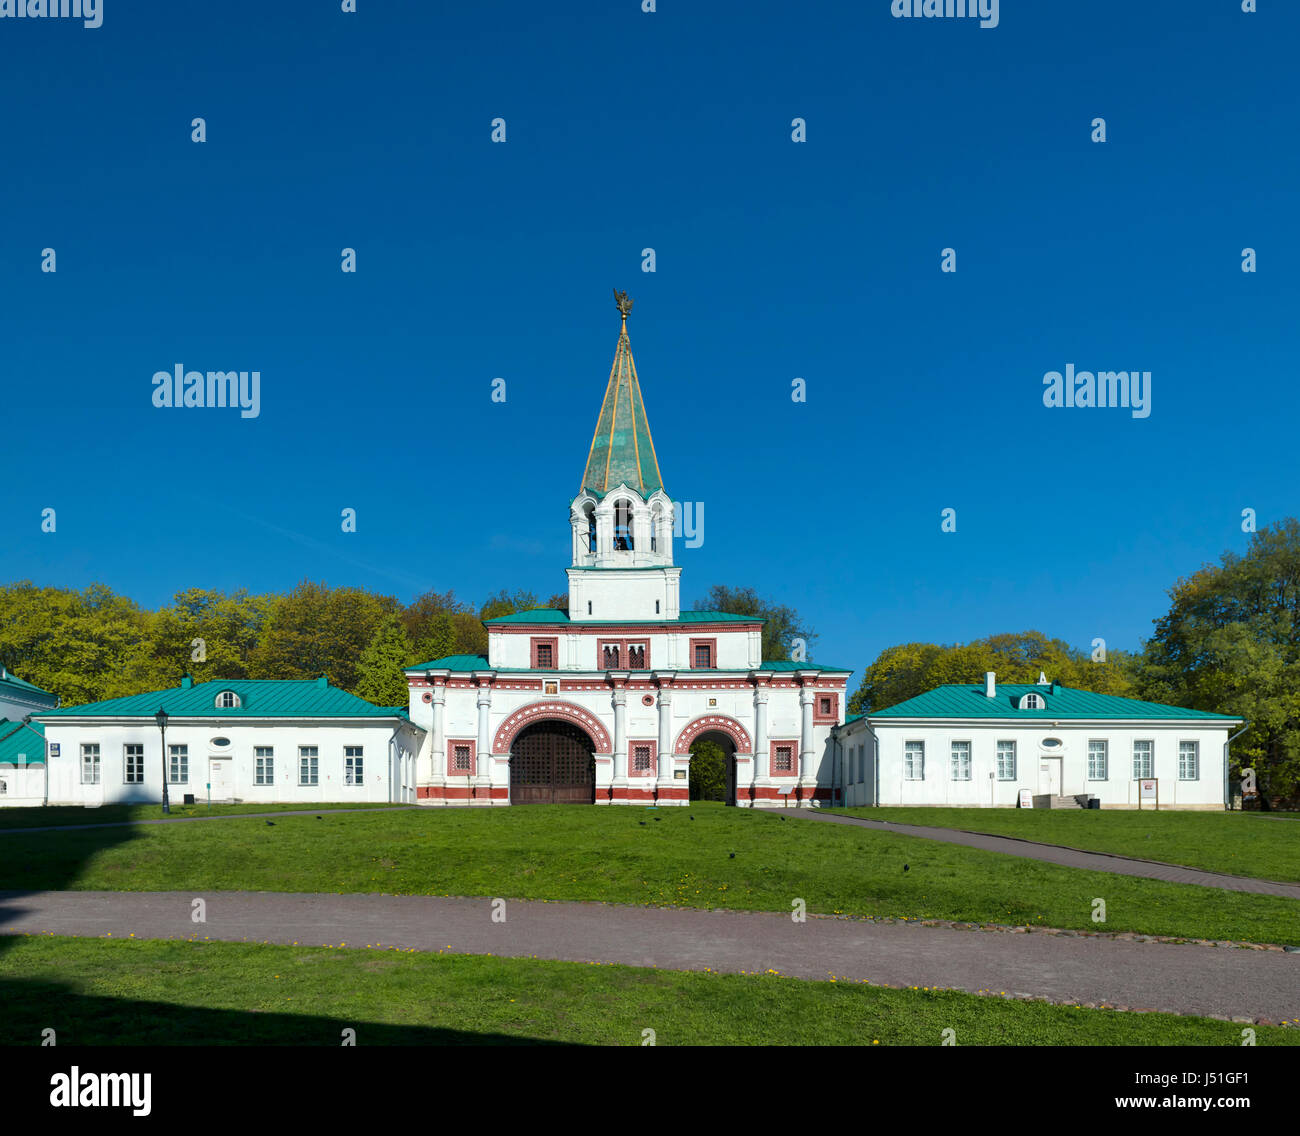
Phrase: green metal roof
x=454 y=663
x=1059 y=702
x=18 y=745
x=259 y=698
x=622 y=451
x=23 y=690
x=553 y=615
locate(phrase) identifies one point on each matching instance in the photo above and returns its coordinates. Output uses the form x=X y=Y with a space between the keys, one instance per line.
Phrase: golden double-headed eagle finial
x=624 y=304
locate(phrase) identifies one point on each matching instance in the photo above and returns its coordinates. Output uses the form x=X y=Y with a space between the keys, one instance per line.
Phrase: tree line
x=1229 y=643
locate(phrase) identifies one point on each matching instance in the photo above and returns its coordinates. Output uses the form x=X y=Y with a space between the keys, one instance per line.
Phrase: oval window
x=1051 y=743
x=220 y=741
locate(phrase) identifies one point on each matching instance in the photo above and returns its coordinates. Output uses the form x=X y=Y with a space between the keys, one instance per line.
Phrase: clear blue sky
x=775 y=260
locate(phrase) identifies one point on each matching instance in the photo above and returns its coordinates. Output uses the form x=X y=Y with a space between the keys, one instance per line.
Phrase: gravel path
x=1182 y=978
x=1059 y=854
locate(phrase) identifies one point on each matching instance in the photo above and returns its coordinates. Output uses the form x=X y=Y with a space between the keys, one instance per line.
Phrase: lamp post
x=161 y=719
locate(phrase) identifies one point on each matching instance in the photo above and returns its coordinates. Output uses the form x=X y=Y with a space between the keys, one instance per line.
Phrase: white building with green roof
x=996 y=744
x=601 y=703
x=22 y=745
x=248 y=740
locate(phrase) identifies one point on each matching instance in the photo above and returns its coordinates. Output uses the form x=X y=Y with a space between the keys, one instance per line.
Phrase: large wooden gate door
x=552 y=763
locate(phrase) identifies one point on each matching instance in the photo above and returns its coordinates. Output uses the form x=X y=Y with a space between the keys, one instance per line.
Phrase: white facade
x=640 y=678
x=230 y=772
x=924 y=760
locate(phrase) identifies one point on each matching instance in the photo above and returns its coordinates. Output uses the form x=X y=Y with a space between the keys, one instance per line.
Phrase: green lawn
x=1241 y=844
x=149 y=992
x=112 y=814
x=668 y=857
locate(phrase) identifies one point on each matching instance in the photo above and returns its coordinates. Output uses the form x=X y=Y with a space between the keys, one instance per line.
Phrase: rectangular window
x=703 y=657
x=914 y=761
x=641 y=759
x=308 y=765
x=1006 y=761
x=783 y=760
x=1189 y=761
x=265 y=756
x=1143 y=759
x=609 y=656
x=134 y=764
x=178 y=765
x=460 y=759
x=89 y=764
x=636 y=656
x=1098 y=759
x=961 y=761
x=545 y=656
x=353 y=766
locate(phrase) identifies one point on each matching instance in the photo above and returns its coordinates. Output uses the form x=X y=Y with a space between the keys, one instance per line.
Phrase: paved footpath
x=1182 y=978
x=1059 y=854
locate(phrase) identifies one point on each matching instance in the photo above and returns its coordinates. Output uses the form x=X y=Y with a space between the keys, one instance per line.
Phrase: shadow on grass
x=80 y=1019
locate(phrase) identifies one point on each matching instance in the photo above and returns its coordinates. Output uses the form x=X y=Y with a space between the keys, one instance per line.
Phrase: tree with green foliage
x=379 y=673
x=317 y=630
x=81 y=645
x=708 y=771
x=1230 y=643
x=206 y=634
x=783 y=626
x=908 y=669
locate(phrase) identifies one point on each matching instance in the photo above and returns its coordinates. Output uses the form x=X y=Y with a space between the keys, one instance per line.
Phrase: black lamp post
x=161 y=719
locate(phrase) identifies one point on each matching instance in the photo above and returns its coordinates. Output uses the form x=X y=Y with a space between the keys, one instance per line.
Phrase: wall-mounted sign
x=679 y=774
x=54 y=749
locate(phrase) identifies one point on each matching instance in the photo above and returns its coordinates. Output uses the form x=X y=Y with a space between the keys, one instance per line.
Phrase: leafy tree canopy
x=783 y=630
x=909 y=669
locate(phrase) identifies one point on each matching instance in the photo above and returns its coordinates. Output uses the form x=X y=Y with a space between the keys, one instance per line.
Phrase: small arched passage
x=713 y=767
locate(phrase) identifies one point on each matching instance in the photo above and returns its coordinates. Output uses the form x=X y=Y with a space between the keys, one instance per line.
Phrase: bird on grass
x=271 y=823
x=904 y=867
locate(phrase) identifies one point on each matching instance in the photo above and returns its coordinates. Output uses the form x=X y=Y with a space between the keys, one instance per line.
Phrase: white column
x=761 y=748
x=438 y=742
x=806 y=697
x=620 y=736
x=484 y=741
x=666 y=764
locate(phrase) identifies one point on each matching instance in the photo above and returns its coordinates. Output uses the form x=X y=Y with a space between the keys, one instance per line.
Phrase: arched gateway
x=552 y=763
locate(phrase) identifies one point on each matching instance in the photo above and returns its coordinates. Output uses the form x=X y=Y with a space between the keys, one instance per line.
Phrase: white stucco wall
x=1117 y=790
x=388 y=752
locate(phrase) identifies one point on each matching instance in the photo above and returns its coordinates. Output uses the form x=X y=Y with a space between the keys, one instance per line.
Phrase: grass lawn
x=110 y=814
x=148 y=992
x=1241 y=844
x=670 y=857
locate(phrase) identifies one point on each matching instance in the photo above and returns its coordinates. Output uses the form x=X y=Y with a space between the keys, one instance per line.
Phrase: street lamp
x=161 y=719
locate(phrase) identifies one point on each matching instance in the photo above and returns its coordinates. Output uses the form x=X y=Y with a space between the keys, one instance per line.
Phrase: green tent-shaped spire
x=622 y=451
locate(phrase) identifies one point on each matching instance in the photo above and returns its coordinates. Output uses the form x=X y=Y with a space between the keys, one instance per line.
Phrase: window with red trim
x=460 y=757
x=641 y=758
x=703 y=654
x=785 y=759
x=826 y=706
x=544 y=653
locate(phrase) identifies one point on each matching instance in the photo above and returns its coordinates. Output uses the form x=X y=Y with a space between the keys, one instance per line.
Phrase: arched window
x=590 y=511
x=623 y=541
x=1031 y=702
x=655 y=519
x=227 y=700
